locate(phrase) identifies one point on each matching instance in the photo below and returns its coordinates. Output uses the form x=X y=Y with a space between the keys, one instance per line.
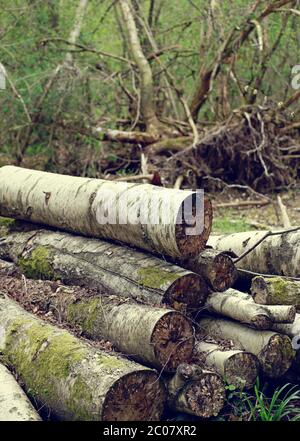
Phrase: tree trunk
x=73 y=379
x=238 y=309
x=237 y=367
x=217 y=269
x=195 y=391
x=279 y=255
x=142 y=215
x=159 y=337
x=75 y=32
x=110 y=268
x=14 y=404
x=277 y=313
x=274 y=351
x=275 y=291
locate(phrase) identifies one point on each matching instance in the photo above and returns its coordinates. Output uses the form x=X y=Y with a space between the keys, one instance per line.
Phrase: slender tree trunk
x=274 y=351
x=275 y=255
x=195 y=391
x=239 y=368
x=73 y=379
x=75 y=32
x=142 y=215
x=111 y=269
x=14 y=404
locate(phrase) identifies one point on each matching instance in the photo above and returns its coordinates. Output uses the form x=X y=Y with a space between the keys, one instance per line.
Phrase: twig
x=284 y=215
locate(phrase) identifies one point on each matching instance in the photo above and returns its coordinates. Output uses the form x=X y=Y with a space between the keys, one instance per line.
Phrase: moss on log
x=237 y=367
x=274 y=351
x=14 y=404
x=275 y=255
x=108 y=209
x=217 y=268
x=275 y=291
x=159 y=337
x=73 y=379
x=110 y=268
x=195 y=391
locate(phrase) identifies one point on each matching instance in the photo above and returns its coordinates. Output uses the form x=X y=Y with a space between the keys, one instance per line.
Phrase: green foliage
x=225 y=224
x=283 y=404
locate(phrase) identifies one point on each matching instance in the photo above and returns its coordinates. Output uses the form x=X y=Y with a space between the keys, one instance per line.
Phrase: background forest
x=199 y=90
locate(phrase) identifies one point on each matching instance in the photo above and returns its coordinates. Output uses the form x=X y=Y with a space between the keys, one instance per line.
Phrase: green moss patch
x=155 y=277
x=38 y=264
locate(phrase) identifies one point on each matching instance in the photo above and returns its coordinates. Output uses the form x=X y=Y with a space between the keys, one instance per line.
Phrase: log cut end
x=224 y=273
x=277 y=356
x=241 y=370
x=205 y=397
x=190 y=241
x=187 y=294
x=138 y=396
x=173 y=341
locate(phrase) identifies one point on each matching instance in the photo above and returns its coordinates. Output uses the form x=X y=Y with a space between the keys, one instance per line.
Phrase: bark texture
x=195 y=391
x=275 y=291
x=110 y=268
x=275 y=255
x=277 y=313
x=237 y=367
x=14 y=404
x=274 y=351
x=217 y=269
x=73 y=379
x=159 y=337
x=290 y=329
x=149 y=217
x=238 y=309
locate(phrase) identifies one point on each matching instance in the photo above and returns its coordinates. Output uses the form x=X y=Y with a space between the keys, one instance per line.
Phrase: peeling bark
x=73 y=379
x=141 y=215
x=14 y=404
x=239 y=368
x=217 y=269
x=195 y=391
x=110 y=268
x=279 y=255
x=238 y=309
x=274 y=351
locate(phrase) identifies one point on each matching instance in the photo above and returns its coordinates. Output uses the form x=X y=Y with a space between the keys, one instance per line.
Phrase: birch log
x=159 y=337
x=274 y=351
x=238 y=309
x=239 y=368
x=217 y=269
x=14 y=404
x=277 y=313
x=195 y=391
x=73 y=379
x=110 y=268
x=290 y=329
x=275 y=291
x=165 y=221
x=275 y=255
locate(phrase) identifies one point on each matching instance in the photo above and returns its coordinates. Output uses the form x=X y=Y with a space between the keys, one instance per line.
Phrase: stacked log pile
x=180 y=333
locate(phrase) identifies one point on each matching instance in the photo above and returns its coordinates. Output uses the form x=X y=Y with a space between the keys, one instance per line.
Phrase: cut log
x=290 y=329
x=224 y=303
x=73 y=379
x=275 y=291
x=110 y=268
x=159 y=337
x=277 y=313
x=274 y=351
x=239 y=368
x=165 y=221
x=279 y=255
x=195 y=391
x=217 y=269
x=14 y=404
